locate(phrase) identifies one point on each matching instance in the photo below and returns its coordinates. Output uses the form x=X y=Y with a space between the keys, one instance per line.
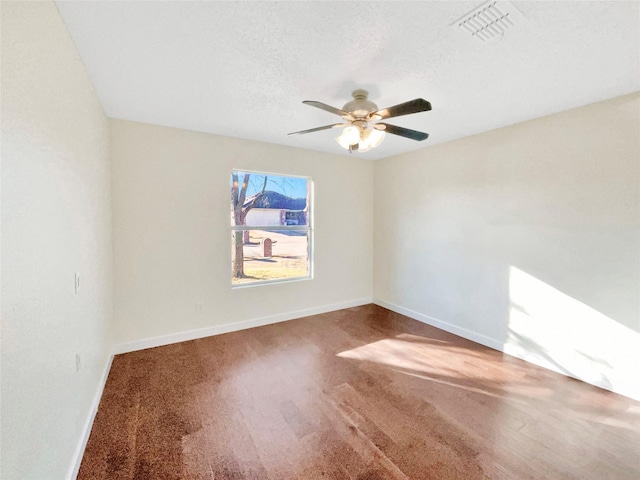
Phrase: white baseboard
x=233 y=327
x=630 y=391
x=258 y=322
x=86 y=430
x=447 y=327
x=181 y=337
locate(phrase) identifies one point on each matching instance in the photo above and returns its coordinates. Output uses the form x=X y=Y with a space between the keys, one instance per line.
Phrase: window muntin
x=271 y=235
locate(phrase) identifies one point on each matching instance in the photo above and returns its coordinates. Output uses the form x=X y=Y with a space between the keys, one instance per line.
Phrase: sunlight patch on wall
x=552 y=329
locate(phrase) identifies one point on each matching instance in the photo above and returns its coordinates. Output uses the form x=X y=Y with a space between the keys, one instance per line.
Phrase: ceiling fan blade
x=404 y=132
x=406 y=108
x=317 y=129
x=327 y=108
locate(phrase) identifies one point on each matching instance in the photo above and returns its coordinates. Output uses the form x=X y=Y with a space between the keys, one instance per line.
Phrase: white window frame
x=271 y=228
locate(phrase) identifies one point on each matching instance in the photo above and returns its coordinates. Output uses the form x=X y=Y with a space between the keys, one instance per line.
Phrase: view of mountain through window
x=270 y=227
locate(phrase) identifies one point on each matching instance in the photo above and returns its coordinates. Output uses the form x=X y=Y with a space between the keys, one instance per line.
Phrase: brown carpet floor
x=361 y=393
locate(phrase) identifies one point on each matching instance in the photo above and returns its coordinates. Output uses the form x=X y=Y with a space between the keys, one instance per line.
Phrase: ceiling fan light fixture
x=376 y=137
x=350 y=136
x=370 y=138
x=364 y=138
x=365 y=142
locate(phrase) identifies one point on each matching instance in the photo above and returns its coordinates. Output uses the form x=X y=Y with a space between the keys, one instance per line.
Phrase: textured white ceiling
x=242 y=69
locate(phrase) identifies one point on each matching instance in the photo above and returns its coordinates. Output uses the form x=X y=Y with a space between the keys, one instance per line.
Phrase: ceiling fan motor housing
x=360 y=107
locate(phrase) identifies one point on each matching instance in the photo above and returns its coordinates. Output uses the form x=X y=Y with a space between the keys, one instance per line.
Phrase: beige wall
x=524 y=238
x=172 y=243
x=55 y=221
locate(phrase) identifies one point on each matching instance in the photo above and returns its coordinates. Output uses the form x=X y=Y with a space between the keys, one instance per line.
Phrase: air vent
x=489 y=21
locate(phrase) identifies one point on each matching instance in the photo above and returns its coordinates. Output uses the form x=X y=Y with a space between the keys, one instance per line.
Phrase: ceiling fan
x=360 y=132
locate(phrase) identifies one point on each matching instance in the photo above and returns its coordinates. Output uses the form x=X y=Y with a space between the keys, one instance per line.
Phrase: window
x=270 y=228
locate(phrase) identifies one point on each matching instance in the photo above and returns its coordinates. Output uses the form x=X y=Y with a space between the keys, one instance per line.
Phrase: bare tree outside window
x=240 y=210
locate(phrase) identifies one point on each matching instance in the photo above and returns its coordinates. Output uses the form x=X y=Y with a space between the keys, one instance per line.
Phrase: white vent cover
x=489 y=21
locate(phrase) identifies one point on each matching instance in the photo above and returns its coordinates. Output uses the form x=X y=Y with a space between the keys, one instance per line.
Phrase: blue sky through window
x=294 y=187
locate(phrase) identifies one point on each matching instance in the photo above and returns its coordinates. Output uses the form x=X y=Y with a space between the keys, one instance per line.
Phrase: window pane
x=269 y=200
x=269 y=255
